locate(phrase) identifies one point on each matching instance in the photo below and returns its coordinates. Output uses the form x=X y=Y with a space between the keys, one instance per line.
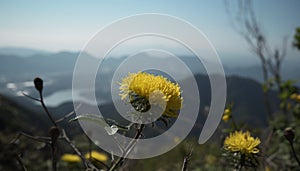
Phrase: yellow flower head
x=96 y=155
x=225 y=118
x=241 y=142
x=70 y=158
x=141 y=88
x=295 y=97
x=227 y=112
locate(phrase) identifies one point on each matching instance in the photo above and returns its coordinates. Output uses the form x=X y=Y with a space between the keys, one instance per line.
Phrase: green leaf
x=91 y=117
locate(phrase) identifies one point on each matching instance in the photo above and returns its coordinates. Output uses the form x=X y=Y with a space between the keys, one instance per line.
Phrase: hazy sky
x=69 y=25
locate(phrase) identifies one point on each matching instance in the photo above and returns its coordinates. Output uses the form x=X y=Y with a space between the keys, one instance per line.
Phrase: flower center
x=140 y=104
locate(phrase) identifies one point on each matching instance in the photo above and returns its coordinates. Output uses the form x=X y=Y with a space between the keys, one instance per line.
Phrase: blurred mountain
x=246 y=95
x=14 y=68
x=21 y=51
x=16 y=117
x=290 y=70
x=62 y=62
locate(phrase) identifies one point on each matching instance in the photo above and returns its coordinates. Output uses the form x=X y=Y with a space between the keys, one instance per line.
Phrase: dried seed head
x=54 y=133
x=289 y=134
x=38 y=83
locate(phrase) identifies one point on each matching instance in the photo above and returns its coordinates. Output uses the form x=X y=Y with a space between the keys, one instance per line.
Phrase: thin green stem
x=128 y=148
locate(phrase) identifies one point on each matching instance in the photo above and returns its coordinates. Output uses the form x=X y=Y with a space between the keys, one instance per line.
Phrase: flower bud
x=54 y=133
x=225 y=118
x=227 y=112
x=289 y=134
x=38 y=83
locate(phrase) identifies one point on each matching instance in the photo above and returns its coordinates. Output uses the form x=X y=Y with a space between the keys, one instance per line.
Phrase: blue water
x=63 y=96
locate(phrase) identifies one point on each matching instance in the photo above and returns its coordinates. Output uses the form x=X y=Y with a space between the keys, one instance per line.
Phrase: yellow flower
x=75 y=158
x=295 y=97
x=96 y=155
x=225 y=118
x=241 y=142
x=142 y=87
x=227 y=112
x=298 y=98
x=70 y=158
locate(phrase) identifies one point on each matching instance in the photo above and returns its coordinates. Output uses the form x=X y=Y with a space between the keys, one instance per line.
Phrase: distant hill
x=15 y=117
x=22 y=51
x=245 y=93
x=47 y=64
x=14 y=67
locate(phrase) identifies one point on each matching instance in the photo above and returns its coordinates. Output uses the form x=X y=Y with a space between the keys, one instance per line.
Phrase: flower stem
x=46 y=109
x=128 y=148
x=294 y=153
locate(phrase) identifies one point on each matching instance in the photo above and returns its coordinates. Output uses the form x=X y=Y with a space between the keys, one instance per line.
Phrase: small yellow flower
x=225 y=118
x=96 y=155
x=70 y=158
x=227 y=112
x=298 y=98
x=241 y=142
x=226 y=115
x=142 y=87
x=295 y=97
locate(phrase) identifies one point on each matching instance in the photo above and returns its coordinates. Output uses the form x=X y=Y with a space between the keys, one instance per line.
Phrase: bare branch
x=128 y=148
x=33 y=98
x=186 y=159
x=67 y=115
x=46 y=140
x=85 y=163
x=19 y=159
